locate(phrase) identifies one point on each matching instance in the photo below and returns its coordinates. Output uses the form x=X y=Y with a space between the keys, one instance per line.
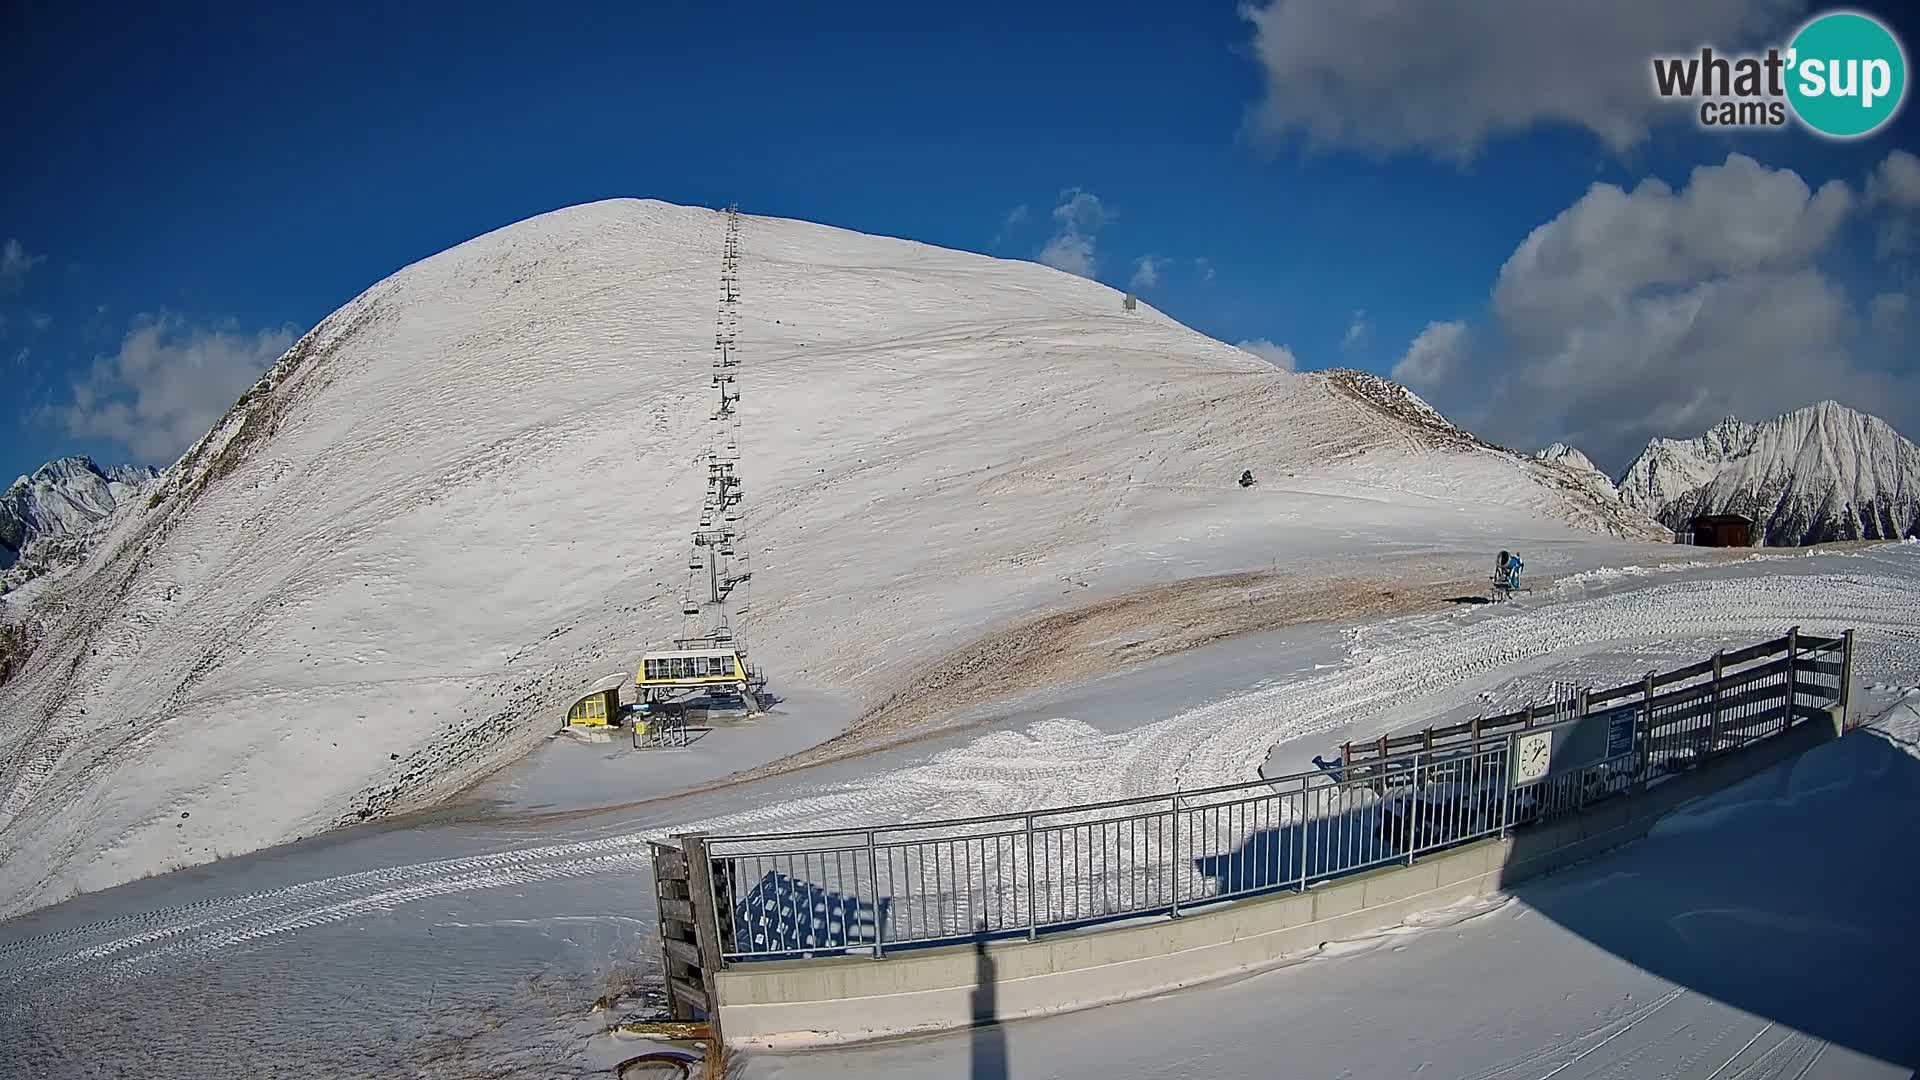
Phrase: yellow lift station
x=696 y=666
x=600 y=705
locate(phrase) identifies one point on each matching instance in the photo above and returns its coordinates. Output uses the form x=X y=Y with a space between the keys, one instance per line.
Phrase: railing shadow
x=781 y=913
x=1319 y=849
x=1809 y=924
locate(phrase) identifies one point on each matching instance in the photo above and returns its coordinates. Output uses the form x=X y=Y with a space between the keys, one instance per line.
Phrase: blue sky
x=186 y=191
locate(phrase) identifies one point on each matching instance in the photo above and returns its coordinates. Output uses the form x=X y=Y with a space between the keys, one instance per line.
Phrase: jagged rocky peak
x=1819 y=473
x=64 y=497
x=1561 y=454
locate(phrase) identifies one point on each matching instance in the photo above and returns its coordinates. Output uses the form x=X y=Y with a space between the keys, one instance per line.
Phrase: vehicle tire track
x=1054 y=763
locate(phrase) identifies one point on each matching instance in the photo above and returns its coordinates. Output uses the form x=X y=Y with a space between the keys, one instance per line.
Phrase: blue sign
x=1620 y=729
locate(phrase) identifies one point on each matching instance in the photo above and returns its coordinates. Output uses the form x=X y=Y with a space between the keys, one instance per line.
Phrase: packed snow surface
x=474 y=947
x=1762 y=932
x=1825 y=472
x=466 y=494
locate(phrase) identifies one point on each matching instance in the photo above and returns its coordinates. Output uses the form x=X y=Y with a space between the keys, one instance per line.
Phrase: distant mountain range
x=1825 y=472
x=64 y=497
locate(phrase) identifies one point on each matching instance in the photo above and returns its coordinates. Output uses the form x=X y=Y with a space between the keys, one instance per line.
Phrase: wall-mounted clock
x=1532 y=757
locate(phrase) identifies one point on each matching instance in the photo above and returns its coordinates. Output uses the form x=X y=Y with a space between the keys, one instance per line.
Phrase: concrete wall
x=841 y=999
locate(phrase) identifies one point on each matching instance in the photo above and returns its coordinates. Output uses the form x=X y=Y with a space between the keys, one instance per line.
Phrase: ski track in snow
x=1405 y=667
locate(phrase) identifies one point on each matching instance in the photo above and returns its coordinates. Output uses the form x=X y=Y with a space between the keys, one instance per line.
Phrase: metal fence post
x=873 y=875
x=1846 y=680
x=1793 y=675
x=1646 y=732
x=1306 y=822
x=1714 y=733
x=1173 y=868
x=1033 y=913
x=1413 y=822
x=1506 y=783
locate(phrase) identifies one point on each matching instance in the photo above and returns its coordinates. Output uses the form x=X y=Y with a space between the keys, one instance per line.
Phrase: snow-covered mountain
x=1562 y=454
x=467 y=494
x=65 y=497
x=1824 y=472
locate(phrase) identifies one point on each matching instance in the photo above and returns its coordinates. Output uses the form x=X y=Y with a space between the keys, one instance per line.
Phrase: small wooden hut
x=600 y=705
x=1723 y=530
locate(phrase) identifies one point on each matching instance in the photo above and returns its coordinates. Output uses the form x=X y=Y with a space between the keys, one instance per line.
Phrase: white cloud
x=1738 y=217
x=1015 y=218
x=39 y=321
x=1203 y=267
x=1656 y=313
x=1078 y=217
x=1146 y=273
x=1071 y=252
x=1893 y=191
x=1434 y=355
x=1356 y=329
x=1386 y=75
x=15 y=263
x=1896 y=180
x=1278 y=355
x=168 y=383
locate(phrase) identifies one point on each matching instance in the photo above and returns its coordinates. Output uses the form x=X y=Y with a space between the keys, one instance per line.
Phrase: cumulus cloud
x=1385 y=75
x=1739 y=217
x=1434 y=355
x=1203 y=269
x=1893 y=191
x=168 y=383
x=1651 y=312
x=1896 y=180
x=1078 y=217
x=1357 y=328
x=1273 y=353
x=15 y=264
x=1146 y=273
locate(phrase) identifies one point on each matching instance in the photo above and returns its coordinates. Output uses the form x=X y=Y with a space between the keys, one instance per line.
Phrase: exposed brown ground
x=1063 y=646
x=1099 y=637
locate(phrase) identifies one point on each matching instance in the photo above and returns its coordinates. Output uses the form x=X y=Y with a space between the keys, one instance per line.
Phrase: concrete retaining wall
x=842 y=999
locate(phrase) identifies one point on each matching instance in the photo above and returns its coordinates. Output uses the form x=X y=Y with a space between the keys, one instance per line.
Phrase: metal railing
x=911 y=885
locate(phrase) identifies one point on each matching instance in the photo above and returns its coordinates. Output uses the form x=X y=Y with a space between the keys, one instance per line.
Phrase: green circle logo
x=1847 y=74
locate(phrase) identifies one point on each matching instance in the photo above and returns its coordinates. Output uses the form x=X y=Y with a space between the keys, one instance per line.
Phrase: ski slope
x=466 y=494
x=475 y=947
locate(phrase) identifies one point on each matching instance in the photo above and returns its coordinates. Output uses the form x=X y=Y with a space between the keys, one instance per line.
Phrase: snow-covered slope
x=1825 y=472
x=64 y=497
x=466 y=494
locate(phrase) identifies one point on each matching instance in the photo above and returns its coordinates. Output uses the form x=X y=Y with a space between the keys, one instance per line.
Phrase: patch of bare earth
x=1062 y=647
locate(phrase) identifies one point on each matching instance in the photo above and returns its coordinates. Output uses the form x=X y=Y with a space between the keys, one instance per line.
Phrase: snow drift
x=467 y=493
x=1825 y=472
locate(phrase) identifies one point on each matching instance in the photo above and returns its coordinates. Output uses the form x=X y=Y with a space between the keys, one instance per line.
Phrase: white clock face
x=1533 y=754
